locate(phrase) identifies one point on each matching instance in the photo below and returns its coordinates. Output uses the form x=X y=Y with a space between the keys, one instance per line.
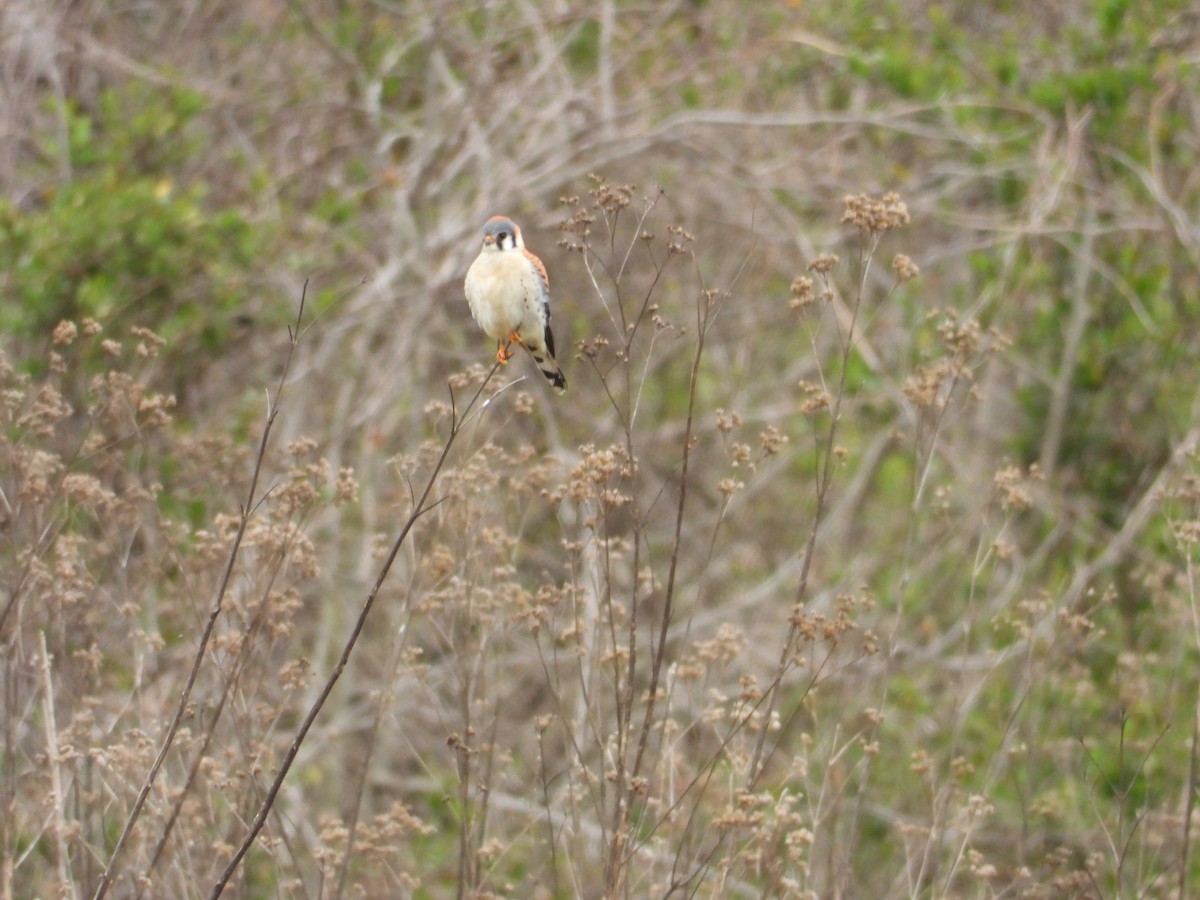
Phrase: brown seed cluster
x=905 y=268
x=875 y=215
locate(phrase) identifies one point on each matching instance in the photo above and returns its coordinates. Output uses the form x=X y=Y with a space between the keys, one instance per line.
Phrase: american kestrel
x=509 y=295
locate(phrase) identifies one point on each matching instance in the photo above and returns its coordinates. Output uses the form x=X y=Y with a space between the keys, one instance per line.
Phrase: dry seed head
x=1010 y=485
x=12 y=399
x=961 y=337
x=65 y=332
x=578 y=225
x=302 y=446
x=677 y=239
x=924 y=386
x=823 y=264
x=88 y=491
x=147 y=336
x=154 y=407
x=872 y=215
x=726 y=422
x=750 y=691
x=905 y=268
x=817 y=398
x=729 y=486
x=771 y=440
x=610 y=198
x=345 y=489
x=724 y=648
x=921 y=762
x=1187 y=533
x=590 y=348
x=979 y=806
x=436 y=409
x=961 y=767
x=802 y=292
x=48 y=408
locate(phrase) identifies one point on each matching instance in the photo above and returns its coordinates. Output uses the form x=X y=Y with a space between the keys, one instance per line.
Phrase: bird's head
x=500 y=233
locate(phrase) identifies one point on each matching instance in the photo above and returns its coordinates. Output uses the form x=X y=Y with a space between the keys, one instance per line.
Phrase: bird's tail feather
x=549 y=367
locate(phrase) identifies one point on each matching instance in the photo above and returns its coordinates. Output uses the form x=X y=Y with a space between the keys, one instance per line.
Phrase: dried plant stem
x=1189 y=805
x=1193 y=778
x=8 y=817
x=381 y=707
x=422 y=505
x=544 y=783
x=824 y=480
x=466 y=859
x=618 y=855
x=248 y=507
x=53 y=762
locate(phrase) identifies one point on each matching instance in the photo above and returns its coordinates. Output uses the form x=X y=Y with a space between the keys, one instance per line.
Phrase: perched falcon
x=509 y=295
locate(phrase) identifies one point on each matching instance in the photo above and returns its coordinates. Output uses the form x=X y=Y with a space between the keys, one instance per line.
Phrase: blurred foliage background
x=1011 y=512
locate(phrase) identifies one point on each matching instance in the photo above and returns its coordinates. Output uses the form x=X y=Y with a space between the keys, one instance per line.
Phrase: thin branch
x=705 y=312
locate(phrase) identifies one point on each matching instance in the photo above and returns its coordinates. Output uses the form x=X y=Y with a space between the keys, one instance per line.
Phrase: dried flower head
x=677 y=239
x=869 y=214
x=577 y=227
x=610 y=198
x=729 y=486
x=823 y=264
x=905 y=268
x=771 y=439
x=65 y=332
x=818 y=398
x=802 y=292
x=727 y=421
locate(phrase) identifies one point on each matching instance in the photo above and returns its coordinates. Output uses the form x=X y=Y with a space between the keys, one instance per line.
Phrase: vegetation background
x=858 y=561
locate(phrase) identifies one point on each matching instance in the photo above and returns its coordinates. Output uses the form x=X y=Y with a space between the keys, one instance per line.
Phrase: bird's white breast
x=499 y=290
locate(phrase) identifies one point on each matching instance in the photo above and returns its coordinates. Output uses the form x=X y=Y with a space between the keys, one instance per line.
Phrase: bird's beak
x=489 y=239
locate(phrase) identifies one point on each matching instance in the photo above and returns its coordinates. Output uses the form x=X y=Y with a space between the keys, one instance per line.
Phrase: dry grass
x=859 y=560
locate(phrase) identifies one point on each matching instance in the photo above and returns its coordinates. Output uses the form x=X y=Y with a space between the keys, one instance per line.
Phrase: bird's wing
x=539 y=268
